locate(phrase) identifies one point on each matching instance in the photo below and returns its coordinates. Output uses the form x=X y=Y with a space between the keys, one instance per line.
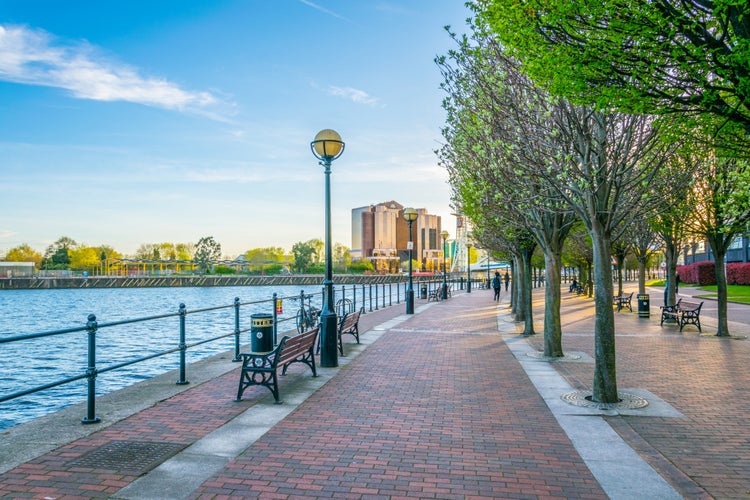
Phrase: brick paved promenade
x=447 y=403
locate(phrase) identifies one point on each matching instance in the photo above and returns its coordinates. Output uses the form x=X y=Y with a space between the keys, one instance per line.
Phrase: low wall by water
x=188 y=281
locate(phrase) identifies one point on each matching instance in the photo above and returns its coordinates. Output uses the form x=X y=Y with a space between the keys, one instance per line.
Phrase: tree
x=600 y=164
x=303 y=255
x=662 y=56
x=207 y=250
x=57 y=255
x=83 y=258
x=341 y=257
x=185 y=251
x=24 y=253
x=319 y=250
x=261 y=258
x=722 y=211
x=642 y=240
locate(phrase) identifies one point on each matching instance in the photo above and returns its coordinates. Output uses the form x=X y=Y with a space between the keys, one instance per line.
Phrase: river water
x=29 y=363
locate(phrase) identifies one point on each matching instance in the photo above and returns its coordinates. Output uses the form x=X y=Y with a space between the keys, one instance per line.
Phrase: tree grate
x=583 y=398
x=128 y=457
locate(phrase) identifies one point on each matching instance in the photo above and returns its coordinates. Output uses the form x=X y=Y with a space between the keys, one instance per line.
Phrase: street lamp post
x=327 y=146
x=444 y=234
x=468 y=268
x=410 y=215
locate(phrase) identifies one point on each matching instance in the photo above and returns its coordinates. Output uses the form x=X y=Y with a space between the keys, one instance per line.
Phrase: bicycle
x=308 y=316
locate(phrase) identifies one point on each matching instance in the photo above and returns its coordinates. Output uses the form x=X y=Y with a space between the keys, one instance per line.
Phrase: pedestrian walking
x=496 y=285
x=507 y=280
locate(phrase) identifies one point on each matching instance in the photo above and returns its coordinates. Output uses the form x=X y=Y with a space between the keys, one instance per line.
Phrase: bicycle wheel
x=301 y=321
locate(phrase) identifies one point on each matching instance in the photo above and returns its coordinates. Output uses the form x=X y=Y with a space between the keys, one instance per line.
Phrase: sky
x=139 y=121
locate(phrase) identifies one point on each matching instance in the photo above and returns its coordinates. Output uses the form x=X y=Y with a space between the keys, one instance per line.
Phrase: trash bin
x=644 y=305
x=423 y=291
x=261 y=332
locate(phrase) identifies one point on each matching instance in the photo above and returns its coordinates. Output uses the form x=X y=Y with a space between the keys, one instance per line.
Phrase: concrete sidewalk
x=447 y=403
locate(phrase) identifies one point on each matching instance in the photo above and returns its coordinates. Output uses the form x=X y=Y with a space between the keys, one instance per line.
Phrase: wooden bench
x=683 y=313
x=349 y=325
x=622 y=301
x=260 y=368
x=437 y=294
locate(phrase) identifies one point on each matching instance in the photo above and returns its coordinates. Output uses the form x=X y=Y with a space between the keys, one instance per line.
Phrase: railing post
x=91 y=327
x=275 y=316
x=390 y=294
x=370 y=290
x=354 y=299
x=376 y=296
x=236 y=329
x=398 y=292
x=183 y=345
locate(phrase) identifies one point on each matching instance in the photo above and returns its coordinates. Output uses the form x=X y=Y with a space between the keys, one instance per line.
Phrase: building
x=738 y=251
x=16 y=269
x=380 y=234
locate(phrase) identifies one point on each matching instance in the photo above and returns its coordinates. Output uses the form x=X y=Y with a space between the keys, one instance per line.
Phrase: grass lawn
x=735 y=293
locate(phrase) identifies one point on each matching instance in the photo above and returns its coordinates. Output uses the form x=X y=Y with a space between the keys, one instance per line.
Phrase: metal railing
x=367 y=297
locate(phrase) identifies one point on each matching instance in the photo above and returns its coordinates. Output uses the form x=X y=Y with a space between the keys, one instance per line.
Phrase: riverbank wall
x=190 y=281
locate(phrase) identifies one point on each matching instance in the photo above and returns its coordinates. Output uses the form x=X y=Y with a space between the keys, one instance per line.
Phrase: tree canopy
x=662 y=56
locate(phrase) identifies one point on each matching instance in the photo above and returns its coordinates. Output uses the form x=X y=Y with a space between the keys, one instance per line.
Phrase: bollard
x=237 y=330
x=183 y=345
x=91 y=327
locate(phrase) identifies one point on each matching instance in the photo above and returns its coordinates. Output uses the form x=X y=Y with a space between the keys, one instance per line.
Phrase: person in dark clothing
x=507 y=280
x=496 y=285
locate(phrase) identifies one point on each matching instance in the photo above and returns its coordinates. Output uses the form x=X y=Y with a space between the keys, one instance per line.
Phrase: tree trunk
x=670 y=258
x=526 y=287
x=515 y=286
x=605 y=372
x=641 y=276
x=721 y=292
x=552 y=323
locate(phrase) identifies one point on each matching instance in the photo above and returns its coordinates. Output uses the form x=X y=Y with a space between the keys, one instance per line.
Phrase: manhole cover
x=583 y=398
x=128 y=457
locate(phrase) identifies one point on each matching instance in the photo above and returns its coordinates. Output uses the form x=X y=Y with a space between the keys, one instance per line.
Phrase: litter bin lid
x=261 y=320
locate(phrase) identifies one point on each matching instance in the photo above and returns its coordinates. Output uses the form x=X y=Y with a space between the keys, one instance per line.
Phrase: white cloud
x=33 y=57
x=355 y=95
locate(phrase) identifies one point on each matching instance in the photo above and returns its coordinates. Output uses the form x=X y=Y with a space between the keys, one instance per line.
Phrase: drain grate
x=128 y=457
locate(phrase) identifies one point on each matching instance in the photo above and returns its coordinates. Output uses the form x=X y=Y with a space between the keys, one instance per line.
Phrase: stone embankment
x=186 y=281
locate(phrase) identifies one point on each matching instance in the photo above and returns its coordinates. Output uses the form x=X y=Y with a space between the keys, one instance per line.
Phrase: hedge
x=704 y=273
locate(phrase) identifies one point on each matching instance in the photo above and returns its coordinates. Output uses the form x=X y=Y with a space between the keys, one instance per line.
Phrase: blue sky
x=129 y=122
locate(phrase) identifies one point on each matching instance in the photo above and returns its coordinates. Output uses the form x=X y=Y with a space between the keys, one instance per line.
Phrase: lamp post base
x=329 y=354
x=410 y=301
